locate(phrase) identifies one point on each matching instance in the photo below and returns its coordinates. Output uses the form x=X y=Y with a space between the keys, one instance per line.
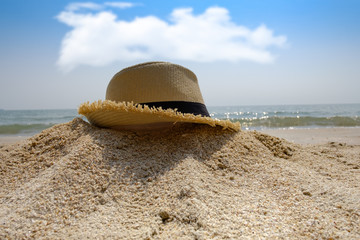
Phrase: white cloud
x=83 y=5
x=101 y=38
x=76 y=6
x=121 y=5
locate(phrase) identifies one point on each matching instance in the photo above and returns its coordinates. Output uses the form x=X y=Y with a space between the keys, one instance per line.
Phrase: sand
x=76 y=181
x=4 y=140
x=348 y=135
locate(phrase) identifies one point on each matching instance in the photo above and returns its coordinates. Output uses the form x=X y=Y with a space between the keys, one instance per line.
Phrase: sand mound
x=195 y=182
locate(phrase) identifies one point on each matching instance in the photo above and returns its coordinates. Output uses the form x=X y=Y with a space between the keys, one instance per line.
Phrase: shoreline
x=6 y=140
x=347 y=135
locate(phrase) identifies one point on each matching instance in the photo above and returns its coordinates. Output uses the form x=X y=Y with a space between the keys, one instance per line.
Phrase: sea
x=30 y=122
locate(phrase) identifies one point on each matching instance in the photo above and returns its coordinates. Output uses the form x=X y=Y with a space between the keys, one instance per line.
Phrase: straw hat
x=150 y=95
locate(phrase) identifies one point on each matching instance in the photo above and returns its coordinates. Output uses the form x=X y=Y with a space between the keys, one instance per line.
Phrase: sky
x=58 y=54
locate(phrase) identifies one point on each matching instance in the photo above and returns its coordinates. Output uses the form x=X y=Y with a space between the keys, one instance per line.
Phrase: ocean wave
x=26 y=129
x=246 y=123
x=286 y=122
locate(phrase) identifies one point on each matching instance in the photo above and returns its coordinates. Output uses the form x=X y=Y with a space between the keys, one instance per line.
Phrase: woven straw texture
x=112 y=114
x=147 y=83
x=154 y=82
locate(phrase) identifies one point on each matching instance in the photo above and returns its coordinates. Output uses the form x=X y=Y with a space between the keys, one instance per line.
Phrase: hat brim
x=112 y=114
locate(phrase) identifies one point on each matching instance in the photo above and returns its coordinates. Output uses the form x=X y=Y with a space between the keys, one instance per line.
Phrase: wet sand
x=318 y=135
x=4 y=140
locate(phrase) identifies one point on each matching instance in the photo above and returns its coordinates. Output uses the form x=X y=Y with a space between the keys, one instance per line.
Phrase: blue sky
x=58 y=54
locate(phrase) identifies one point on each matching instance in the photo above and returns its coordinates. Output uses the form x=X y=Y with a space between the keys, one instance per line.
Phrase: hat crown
x=154 y=82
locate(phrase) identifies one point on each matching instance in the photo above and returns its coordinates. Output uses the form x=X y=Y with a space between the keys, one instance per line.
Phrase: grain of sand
x=76 y=181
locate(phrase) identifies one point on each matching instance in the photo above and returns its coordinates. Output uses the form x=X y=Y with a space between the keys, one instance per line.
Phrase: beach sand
x=5 y=140
x=348 y=135
x=76 y=181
